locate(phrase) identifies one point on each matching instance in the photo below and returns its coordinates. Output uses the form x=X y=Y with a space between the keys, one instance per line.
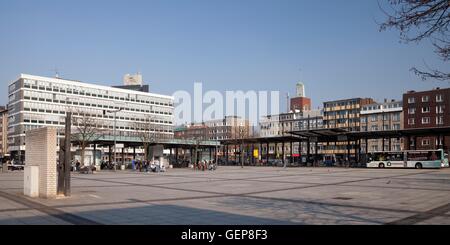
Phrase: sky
x=334 y=47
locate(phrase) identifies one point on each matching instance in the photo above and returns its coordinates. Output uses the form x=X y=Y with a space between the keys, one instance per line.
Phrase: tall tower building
x=300 y=90
x=300 y=102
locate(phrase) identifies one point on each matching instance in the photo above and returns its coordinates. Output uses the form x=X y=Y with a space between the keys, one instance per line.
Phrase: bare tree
x=216 y=137
x=418 y=20
x=87 y=130
x=197 y=140
x=242 y=132
x=146 y=132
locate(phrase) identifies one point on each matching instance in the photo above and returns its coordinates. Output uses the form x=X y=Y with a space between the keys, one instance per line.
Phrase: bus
x=408 y=159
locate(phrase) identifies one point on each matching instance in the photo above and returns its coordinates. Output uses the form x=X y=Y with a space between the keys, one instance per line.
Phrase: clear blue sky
x=227 y=45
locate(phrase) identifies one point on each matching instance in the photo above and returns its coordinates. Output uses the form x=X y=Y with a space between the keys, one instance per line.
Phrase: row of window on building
x=426 y=98
x=427 y=120
x=49 y=98
x=95 y=93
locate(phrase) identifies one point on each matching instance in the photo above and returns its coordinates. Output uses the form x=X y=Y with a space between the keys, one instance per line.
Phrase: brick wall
x=300 y=103
x=41 y=151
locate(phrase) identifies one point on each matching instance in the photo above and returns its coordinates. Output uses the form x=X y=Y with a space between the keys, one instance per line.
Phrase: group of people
x=77 y=167
x=108 y=165
x=147 y=166
x=205 y=165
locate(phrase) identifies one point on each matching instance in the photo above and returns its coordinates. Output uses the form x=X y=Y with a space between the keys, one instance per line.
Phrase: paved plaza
x=231 y=195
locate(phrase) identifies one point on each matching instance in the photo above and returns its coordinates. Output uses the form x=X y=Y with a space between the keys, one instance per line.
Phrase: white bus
x=408 y=159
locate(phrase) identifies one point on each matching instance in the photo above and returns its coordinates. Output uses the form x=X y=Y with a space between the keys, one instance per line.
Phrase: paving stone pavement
x=231 y=195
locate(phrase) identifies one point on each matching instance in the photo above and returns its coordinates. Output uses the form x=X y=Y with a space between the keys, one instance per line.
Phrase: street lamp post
x=114 y=130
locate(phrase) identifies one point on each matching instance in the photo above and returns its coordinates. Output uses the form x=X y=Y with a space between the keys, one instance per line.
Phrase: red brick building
x=300 y=104
x=192 y=132
x=427 y=109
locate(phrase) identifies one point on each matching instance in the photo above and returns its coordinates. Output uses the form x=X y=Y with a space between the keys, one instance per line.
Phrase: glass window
x=396 y=117
x=425 y=120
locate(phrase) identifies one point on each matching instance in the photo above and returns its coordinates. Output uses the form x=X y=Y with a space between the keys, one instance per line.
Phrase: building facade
x=36 y=101
x=343 y=114
x=427 y=109
x=191 y=132
x=231 y=127
x=269 y=126
x=283 y=124
x=3 y=131
x=300 y=104
x=382 y=117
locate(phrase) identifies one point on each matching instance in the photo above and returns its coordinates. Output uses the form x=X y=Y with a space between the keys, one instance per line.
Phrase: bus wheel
x=418 y=165
x=381 y=165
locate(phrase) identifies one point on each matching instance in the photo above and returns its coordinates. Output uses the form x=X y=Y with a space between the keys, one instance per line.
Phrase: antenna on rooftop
x=287 y=102
x=56 y=71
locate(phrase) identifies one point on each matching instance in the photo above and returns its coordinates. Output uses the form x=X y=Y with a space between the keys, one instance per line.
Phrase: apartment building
x=343 y=114
x=427 y=109
x=3 y=131
x=382 y=117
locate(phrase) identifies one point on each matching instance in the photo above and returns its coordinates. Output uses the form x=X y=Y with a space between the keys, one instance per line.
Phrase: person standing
x=77 y=166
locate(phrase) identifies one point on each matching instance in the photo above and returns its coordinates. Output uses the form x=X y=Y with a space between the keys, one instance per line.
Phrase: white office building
x=36 y=101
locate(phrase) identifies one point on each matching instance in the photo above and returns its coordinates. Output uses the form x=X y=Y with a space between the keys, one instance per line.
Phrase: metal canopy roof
x=401 y=133
x=130 y=141
x=314 y=135
x=341 y=134
x=323 y=132
x=254 y=140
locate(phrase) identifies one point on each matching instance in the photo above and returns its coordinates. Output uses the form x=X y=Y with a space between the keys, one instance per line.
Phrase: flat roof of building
x=90 y=85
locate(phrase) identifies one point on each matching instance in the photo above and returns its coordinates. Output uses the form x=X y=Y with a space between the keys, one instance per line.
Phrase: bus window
x=424 y=156
x=395 y=157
